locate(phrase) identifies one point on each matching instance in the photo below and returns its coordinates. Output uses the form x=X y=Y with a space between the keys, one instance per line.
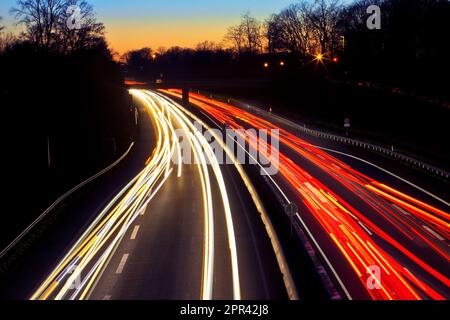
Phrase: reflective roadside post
x=346 y=125
x=226 y=125
x=291 y=210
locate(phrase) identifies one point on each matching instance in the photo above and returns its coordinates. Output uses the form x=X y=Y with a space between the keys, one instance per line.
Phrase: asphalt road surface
x=174 y=222
x=175 y=231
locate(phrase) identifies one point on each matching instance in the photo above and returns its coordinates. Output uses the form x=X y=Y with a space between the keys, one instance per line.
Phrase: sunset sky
x=132 y=24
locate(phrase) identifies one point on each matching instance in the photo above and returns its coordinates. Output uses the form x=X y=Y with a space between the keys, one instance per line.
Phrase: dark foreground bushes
x=73 y=107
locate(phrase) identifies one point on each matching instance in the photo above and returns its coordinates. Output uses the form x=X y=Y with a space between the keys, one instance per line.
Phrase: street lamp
x=282 y=63
x=266 y=64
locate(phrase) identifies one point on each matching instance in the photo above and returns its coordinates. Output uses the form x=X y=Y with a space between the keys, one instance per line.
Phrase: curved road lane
x=177 y=231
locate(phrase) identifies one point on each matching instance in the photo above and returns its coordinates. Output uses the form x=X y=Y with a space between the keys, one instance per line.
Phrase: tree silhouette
x=247 y=36
x=289 y=30
x=306 y=28
x=408 y=48
x=7 y=39
x=46 y=24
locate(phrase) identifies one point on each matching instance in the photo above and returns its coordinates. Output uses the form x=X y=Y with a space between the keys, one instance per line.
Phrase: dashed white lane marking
x=107 y=297
x=143 y=210
x=434 y=233
x=365 y=228
x=406 y=213
x=134 y=233
x=122 y=263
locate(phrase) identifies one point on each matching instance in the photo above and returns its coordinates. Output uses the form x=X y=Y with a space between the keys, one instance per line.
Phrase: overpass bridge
x=189 y=85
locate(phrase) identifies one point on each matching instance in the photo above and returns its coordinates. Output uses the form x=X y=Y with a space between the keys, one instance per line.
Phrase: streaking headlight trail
x=76 y=274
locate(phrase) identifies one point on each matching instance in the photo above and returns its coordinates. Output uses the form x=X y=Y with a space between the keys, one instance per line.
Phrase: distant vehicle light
x=159 y=81
x=266 y=64
x=281 y=63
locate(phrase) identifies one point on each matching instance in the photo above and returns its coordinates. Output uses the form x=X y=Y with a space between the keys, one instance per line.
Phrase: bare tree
x=253 y=33
x=2 y=48
x=235 y=35
x=289 y=30
x=323 y=17
x=247 y=36
x=305 y=27
x=40 y=18
x=46 y=24
x=88 y=34
x=208 y=46
x=272 y=32
x=138 y=57
x=7 y=39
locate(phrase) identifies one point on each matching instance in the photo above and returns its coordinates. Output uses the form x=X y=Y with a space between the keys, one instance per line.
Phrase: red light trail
x=350 y=230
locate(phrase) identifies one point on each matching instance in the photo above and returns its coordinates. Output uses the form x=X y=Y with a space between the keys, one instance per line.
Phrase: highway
x=177 y=230
x=375 y=240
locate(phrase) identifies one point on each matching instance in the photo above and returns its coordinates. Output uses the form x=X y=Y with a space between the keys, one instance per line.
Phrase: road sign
x=291 y=211
x=346 y=123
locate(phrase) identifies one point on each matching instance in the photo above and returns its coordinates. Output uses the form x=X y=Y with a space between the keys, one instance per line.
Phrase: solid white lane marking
x=134 y=233
x=144 y=208
x=122 y=263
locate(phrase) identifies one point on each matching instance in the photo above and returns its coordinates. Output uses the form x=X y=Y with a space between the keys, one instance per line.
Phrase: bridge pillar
x=185 y=92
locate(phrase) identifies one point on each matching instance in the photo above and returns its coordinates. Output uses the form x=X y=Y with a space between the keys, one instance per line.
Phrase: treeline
x=61 y=78
x=409 y=50
x=208 y=60
x=64 y=107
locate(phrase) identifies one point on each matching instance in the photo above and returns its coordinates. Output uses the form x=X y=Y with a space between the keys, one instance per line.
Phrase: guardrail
x=61 y=199
x=391 y=152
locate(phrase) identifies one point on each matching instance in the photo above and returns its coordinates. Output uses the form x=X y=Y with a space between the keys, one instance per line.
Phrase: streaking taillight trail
x=350 y=230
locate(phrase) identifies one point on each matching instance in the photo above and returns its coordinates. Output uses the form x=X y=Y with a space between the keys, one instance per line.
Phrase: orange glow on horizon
x=125 y=35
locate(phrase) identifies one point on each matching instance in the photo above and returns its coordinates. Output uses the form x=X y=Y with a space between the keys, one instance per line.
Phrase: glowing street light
x=282 y=63
x=319 y=57
x=266 y=64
